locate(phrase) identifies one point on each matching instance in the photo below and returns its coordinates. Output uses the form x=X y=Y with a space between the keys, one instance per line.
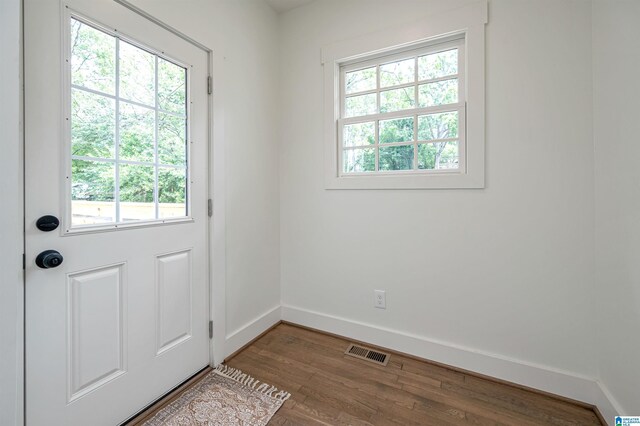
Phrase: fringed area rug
x=225 y=396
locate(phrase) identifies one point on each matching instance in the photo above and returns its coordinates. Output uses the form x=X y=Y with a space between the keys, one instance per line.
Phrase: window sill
x=425 y=181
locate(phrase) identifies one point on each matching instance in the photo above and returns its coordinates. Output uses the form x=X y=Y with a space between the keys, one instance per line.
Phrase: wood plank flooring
x=329 y=388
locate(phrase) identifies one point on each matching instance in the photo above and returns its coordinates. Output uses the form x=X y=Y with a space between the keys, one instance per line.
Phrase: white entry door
x=116 y=143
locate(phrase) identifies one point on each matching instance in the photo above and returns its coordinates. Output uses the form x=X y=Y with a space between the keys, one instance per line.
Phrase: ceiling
x=282 y=6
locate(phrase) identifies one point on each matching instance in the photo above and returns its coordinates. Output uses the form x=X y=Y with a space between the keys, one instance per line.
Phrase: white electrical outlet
x=379 y=299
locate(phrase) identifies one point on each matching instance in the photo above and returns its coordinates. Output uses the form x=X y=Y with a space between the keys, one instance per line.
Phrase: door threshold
x=150 y=410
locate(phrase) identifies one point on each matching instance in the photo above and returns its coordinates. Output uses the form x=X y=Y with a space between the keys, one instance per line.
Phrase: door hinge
x=210 y=207
x=209 y=85
x=24 y=261
x=210 y=329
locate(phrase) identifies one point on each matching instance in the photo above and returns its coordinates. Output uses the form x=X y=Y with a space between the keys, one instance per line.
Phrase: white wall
x=616 y=43
x=10 y=215
x=506 y=270
x=243 y=36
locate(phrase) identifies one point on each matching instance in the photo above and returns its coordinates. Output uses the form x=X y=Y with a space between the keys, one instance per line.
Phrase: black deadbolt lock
x=49 y=259
x=47 y=223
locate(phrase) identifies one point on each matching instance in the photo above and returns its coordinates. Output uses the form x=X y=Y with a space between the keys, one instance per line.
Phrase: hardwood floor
x=330 y=388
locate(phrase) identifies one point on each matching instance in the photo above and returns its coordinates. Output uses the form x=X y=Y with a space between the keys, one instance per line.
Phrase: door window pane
x=172 y=87
x=172 y=140
x=93 y=55
x=137 y=74
x=92 y=192
x=93 y=125
x=135 y=130
x=171 y=192
x=136 y=192
x=137 y=133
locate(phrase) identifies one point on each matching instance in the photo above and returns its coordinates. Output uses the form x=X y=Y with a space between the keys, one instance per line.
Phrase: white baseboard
x=245 y=334
x=608 y=406
x=540 y=377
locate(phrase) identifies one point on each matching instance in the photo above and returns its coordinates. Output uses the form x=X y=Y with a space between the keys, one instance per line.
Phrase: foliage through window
x=404 y=112
x=128 y=128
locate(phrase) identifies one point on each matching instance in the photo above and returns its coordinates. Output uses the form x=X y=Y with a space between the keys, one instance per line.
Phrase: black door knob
x=49 y=259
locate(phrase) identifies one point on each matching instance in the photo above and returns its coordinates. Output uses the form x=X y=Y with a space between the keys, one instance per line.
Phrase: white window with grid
x=404 y=113
x=404 y=107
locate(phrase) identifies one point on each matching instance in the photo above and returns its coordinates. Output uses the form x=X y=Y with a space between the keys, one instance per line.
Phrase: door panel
x=96 y=350
x=173 y=284
x=124 y=318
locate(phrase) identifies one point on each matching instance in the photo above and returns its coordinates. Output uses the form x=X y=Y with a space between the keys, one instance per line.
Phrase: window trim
x=467 y=22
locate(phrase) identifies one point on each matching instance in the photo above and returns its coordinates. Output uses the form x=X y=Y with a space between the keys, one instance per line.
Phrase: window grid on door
x=147 y=120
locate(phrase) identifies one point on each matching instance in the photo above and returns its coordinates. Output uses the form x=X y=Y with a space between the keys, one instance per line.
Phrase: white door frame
x=12 y=215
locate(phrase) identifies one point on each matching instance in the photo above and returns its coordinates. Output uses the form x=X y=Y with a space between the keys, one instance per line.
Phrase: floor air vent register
x=367 y=354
